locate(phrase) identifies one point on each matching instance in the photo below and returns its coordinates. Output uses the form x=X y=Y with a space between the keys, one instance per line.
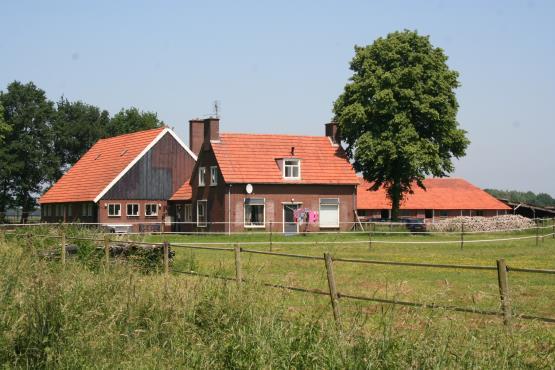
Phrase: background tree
x=528 y=197
x=132 y=120
x=4 y=127
x=27 y=157
x=397 y=115
x=77 y=127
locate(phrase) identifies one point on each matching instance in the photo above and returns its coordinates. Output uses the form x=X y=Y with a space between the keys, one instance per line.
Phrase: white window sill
x=255 y=226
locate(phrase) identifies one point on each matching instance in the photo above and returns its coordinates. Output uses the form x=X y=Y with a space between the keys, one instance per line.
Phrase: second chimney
x=211 y=129
x=332 y=131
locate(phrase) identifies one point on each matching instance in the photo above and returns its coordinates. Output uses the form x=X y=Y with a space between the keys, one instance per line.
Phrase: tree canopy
x=27 y=157
x=397 y=114
x=528 y=197
x=4 y=127
x=41 y=140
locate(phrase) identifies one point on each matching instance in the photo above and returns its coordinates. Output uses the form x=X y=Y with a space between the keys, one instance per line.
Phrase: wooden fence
x=328 y=263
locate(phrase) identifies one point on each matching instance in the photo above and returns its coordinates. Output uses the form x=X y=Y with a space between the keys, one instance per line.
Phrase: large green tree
x=397 y=115
x=77 y=127
x=27 y=158
x=132 y=120
x=4 y=127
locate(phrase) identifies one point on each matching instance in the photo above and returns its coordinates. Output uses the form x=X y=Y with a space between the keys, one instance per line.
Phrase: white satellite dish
x=248 y=188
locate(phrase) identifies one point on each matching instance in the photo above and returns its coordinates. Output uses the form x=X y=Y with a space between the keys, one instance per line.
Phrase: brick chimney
x=196 y=135
x=211 y=129
x=332 y=131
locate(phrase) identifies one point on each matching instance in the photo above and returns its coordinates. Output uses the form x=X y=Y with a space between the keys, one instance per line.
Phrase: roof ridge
x=262 y=134
x=134 y=133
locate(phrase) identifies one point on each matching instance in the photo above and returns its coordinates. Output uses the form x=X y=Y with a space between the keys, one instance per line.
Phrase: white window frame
x=213 y=175
x=285 y=166
x=202 y=176
x=205 y=222
x=188 y=210
x=149 y=205
x=250 y=225
x=138 y=209
x=119 y=210
x=335 y=226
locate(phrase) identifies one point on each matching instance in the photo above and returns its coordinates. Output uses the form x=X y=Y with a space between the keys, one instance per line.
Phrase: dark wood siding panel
x=157 y=175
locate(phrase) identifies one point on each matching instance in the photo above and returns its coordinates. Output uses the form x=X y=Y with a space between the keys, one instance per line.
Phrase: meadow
x=86 y=314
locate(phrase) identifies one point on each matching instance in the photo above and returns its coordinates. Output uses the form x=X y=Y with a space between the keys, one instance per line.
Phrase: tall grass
x=83 y=316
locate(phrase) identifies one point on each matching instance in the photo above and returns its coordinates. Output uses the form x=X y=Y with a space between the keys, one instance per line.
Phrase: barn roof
x=185 y=192
x=253 y=158
x=445 y=194
x=103 y=165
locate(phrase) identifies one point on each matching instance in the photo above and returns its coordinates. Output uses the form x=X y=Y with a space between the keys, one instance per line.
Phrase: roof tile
x=98 y=167
x=444 y=194
x=248 y=158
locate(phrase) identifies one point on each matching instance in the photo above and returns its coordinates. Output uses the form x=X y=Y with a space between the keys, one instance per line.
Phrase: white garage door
x=329 y=212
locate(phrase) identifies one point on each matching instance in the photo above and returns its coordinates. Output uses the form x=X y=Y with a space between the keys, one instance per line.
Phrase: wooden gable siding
x=157 y=175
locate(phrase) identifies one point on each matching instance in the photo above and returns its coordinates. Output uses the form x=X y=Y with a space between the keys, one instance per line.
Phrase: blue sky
x=277 y=67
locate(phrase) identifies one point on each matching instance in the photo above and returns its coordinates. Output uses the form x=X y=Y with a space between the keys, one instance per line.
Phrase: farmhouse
x=445 y=197
x=123 y=182
x=280 y=182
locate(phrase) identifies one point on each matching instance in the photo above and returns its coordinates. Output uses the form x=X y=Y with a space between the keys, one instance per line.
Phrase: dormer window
x=291 y=169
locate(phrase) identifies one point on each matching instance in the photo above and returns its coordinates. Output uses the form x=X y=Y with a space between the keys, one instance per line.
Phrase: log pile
x=496 y=223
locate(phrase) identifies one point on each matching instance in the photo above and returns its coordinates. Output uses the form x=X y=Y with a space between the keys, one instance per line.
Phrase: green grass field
x=87 y=316
x=532 y=294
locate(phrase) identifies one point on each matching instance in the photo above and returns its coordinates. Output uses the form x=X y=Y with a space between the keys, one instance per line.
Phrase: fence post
x=504 y=291
x=271 y=233
x=63 y=246
x=238 y=272
x=462 y=235
x=537 y=233
x=166 y=257
x=370 y=240
x=107 y=250
x=333 y=289
x=553 y=228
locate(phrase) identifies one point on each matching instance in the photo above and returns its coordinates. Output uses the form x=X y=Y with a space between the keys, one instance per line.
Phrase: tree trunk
x=395 y=195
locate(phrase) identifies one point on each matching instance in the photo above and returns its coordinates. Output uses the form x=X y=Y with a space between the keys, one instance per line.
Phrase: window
x=292 y=169
x=254 y=212
x=201 y=176
x=87 y=210
x=58 y=210
x=114 y=210
x=202 y=219
x=151 y=209
x=69 y=210
x=188 y=212
x=443 y=213
x=329 y=212
x=132 y=209
x=213 y=176
x=479 y=213
x=429 y=213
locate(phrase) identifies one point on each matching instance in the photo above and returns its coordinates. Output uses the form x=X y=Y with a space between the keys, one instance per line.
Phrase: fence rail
x=335 y=294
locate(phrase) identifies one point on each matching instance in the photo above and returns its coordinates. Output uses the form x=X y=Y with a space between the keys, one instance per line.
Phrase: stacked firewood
x=504 y=222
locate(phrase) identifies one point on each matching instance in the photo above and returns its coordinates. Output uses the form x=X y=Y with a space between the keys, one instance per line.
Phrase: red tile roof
x=185 y=192
x=99 y=166
x=248 y=158
x=446 y=193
